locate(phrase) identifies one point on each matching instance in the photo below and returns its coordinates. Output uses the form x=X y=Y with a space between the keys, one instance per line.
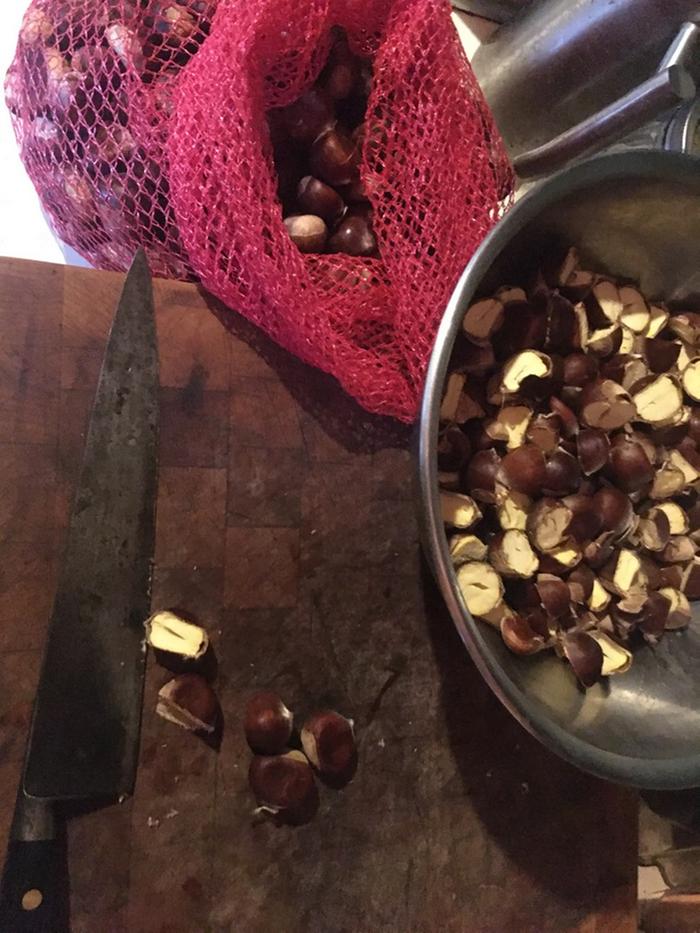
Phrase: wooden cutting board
x=286 y=522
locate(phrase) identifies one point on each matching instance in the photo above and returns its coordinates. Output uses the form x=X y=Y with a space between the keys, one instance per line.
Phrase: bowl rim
x=662 y=774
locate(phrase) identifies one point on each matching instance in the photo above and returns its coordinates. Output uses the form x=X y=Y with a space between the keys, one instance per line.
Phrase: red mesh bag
x=91 y=94
x=145 y=122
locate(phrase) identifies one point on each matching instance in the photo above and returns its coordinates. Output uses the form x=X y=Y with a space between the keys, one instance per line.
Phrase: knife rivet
x=32 y=899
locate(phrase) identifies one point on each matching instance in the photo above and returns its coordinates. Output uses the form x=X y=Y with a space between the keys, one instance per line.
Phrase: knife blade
x=84 y=736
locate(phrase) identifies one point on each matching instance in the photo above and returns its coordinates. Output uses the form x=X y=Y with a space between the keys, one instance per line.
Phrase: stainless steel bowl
x=634 y=214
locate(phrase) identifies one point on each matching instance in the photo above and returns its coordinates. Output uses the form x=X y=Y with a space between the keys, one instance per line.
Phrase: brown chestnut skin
x=454 y=449
x=592 y=450
x=629 y=466
x=660 y=354
x=580 y=582
x=569 y=421
x=579 y=368
x=519 y=636
x=562 y=474
x=268 y=723
x=614 y=508
x=334 y=158
x=586 y=523
x=480 y=476
x=285 y=785
x=353 y=236
x=316 y=197
x=585 y=656
x=694 y=425
x=309 y=116
x=524 y=326
x=554 y=595
x=524 y=469
x=328 y=741
x=307 y=232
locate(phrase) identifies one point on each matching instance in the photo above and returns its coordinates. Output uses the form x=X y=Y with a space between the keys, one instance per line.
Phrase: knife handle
x=34 y=887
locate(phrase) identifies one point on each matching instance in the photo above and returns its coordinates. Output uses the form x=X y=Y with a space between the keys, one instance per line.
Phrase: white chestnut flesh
x=481 y=587
x=166 y=631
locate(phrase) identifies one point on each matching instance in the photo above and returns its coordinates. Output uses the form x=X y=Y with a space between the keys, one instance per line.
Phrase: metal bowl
x=633 y=214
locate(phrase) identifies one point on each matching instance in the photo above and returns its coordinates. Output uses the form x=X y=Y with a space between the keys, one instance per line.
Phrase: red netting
x=143 y=122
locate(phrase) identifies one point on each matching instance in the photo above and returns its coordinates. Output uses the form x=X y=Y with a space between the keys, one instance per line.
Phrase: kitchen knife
x=84 y=737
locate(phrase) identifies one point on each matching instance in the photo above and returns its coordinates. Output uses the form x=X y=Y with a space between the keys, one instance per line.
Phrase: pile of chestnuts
x=282 y=779
x=569 y=466
x=71 y=90
x=317 y=142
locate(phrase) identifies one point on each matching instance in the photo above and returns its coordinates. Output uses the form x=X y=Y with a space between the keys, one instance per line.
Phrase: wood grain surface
x=286 y=524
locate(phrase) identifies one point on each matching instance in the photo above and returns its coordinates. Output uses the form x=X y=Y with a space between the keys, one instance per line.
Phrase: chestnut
x=328 y=740
x=567 y=418
x=524 y=469
x=580 y=583
x=519 y=635
x=585 y=656
x=586 y=522
x=592 y=448
x=309 y=116
x=614 y=508
x=353 y=236
x=334 y=158
x=189 y=701
x=284 y=786
x=579 y=368
x=562 y=474
x=316 y=197
x=629 y=466
x=453 y=449
x=554 y=595
x=307 y=232
x=267 y=723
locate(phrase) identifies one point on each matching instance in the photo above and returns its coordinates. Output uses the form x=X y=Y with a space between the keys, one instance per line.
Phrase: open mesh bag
x=144 y=122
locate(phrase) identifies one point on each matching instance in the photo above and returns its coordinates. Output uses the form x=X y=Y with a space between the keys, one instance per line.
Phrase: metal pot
x=634 y=214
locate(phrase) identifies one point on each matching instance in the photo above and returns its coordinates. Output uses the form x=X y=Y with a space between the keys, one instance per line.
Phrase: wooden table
x=286 y=522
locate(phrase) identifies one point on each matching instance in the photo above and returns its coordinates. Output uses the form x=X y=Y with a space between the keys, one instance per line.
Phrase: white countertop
x=24 y=231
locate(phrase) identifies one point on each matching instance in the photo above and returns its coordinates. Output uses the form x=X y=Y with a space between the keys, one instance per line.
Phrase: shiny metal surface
x=84 y=735
x=561 y=61
x=641 y=105
x=635 y=214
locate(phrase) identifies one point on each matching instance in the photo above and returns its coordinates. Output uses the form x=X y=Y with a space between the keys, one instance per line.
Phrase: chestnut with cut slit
x=267 y=723
x=328 y=740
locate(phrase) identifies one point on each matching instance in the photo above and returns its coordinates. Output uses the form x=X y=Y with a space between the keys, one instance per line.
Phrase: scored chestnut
x=328 y=739
x=268 y=723
x=284 y=786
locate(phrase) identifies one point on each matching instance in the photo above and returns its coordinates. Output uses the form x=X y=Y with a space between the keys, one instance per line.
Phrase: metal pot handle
x=671 y=84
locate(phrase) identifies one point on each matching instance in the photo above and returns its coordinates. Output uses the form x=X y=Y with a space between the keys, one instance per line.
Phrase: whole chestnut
x=480 y=476
x=268 y=723
x=328 y=740
x=307 y=231
x=316 y=197
x=309 y=116
x=353 y=236
x=284 y=786
x=334 y=158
